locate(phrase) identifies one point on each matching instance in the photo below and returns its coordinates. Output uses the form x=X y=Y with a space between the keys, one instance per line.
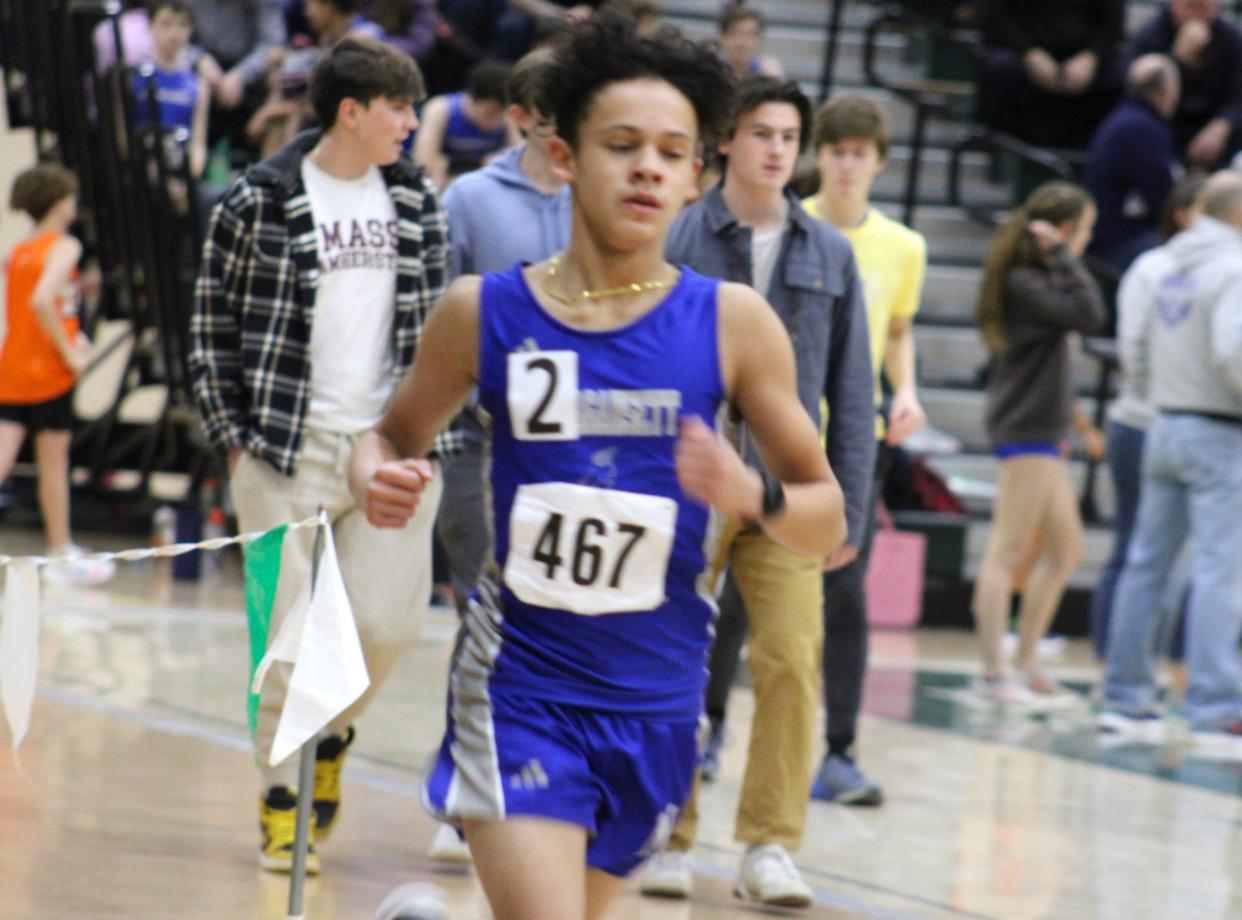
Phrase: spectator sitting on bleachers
x=1208 y=52
x=181 y=95
x=1048 y=75
x=461 y=131
x=332 y=20
x=507 y=29
x=741 y=37
x=134 y=26
x=287 y=109
x=408 y=25
x=1131 y=162
x=238 y=34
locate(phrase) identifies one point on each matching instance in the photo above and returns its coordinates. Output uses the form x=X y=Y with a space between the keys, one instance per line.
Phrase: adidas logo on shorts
x=530 y=777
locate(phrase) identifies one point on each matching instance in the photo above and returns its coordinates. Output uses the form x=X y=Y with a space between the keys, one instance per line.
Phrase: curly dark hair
x=605 y=50
x=37 y=190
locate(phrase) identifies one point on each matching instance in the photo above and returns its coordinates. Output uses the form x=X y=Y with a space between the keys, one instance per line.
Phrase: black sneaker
x=329 y=759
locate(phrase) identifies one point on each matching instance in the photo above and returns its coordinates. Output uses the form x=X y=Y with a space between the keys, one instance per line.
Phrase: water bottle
x=163 y=526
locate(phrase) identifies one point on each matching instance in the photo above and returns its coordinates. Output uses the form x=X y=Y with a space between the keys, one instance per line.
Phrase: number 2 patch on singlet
x=543 y=395
x=588 y=550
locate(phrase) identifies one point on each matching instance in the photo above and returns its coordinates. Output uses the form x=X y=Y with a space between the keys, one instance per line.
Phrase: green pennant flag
x=262 y=575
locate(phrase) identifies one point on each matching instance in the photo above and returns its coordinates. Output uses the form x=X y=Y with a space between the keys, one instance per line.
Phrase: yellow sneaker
x=278 y=822
x=329 y=759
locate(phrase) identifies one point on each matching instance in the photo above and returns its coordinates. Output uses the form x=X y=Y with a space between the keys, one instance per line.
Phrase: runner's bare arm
x=758 y=366
x=385 y=476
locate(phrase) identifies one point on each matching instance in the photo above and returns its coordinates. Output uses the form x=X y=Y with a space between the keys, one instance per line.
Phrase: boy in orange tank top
x=43 y=354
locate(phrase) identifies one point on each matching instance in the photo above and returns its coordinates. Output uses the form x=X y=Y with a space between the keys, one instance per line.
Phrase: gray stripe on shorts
x=475 y=790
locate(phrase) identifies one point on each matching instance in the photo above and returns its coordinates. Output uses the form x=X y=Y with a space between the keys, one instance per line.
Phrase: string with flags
x=319 y=636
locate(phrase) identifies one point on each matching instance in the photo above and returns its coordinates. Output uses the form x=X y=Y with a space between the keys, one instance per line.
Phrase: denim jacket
x=817 y=293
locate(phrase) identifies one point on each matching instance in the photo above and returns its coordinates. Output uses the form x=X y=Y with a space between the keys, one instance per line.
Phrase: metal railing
x=929 y=98
x=145 y=242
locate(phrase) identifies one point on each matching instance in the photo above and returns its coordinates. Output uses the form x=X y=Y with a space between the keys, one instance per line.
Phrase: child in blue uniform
x=462 y=131
x=577 y=682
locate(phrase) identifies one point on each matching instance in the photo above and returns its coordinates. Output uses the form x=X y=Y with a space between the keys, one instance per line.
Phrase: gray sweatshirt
x=1188 y=356
x=1135 y=304
x=1031 y=383
x=497 y=218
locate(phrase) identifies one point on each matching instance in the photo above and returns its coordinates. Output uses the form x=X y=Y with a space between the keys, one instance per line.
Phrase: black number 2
x=537 y=425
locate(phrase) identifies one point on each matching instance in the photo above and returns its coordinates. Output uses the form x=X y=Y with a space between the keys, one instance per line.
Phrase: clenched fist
x=392 y=493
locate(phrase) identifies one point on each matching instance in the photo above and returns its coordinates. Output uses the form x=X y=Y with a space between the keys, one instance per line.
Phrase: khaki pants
x=387 y=573
x=783 y=592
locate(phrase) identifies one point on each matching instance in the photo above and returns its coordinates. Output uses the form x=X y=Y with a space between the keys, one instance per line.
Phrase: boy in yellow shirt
x=851 y=141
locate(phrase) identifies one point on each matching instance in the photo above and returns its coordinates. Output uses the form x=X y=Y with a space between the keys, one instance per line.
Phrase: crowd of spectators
x=1138 y=109
x=231 y=78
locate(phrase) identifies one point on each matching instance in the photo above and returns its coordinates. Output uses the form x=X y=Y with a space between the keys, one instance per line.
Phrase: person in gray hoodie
x=1188 y=362
x=1131 y=415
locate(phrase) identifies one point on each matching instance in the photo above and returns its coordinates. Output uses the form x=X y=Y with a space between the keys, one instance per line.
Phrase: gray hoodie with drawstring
x=1187 y=355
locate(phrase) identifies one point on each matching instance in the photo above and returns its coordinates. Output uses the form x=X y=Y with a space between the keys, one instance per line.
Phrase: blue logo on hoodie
x=1174 y=299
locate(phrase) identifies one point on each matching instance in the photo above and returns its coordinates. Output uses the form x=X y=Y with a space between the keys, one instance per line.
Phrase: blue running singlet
x=598 y=596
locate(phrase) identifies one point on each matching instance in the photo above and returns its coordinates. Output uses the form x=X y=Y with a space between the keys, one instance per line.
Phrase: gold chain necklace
x=638 y=287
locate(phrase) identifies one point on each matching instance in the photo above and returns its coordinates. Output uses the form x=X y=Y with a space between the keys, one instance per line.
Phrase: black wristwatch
x=773 y=497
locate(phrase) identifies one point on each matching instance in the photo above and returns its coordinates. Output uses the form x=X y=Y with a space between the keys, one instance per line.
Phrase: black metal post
x=828 y=74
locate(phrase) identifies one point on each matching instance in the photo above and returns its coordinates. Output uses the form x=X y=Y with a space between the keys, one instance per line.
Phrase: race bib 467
x=587 y=550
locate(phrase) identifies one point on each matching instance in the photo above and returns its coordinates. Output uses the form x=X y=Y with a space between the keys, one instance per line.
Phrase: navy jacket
x=1129 y=173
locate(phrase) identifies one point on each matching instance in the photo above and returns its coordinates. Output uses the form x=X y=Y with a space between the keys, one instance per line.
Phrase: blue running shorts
x=623 y=779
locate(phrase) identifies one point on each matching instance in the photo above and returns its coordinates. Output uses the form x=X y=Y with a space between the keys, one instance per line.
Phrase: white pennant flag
x=284 y=647
x=19 y=645
x=329 y=672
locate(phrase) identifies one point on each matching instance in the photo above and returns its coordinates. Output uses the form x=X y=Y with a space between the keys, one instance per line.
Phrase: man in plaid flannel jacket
x=320 y=266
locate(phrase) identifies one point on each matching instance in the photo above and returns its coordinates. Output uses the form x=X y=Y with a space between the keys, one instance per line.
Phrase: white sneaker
x=78 y=569
x=768 y=875
x=415 y=901
x=448 y=847
x=667 y=875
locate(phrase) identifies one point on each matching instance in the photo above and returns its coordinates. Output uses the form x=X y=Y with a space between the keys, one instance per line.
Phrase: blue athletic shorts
x=1027 y=449
x=623 y=779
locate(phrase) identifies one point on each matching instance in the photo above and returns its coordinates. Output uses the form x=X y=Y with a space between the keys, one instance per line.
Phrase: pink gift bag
x=895 y=575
